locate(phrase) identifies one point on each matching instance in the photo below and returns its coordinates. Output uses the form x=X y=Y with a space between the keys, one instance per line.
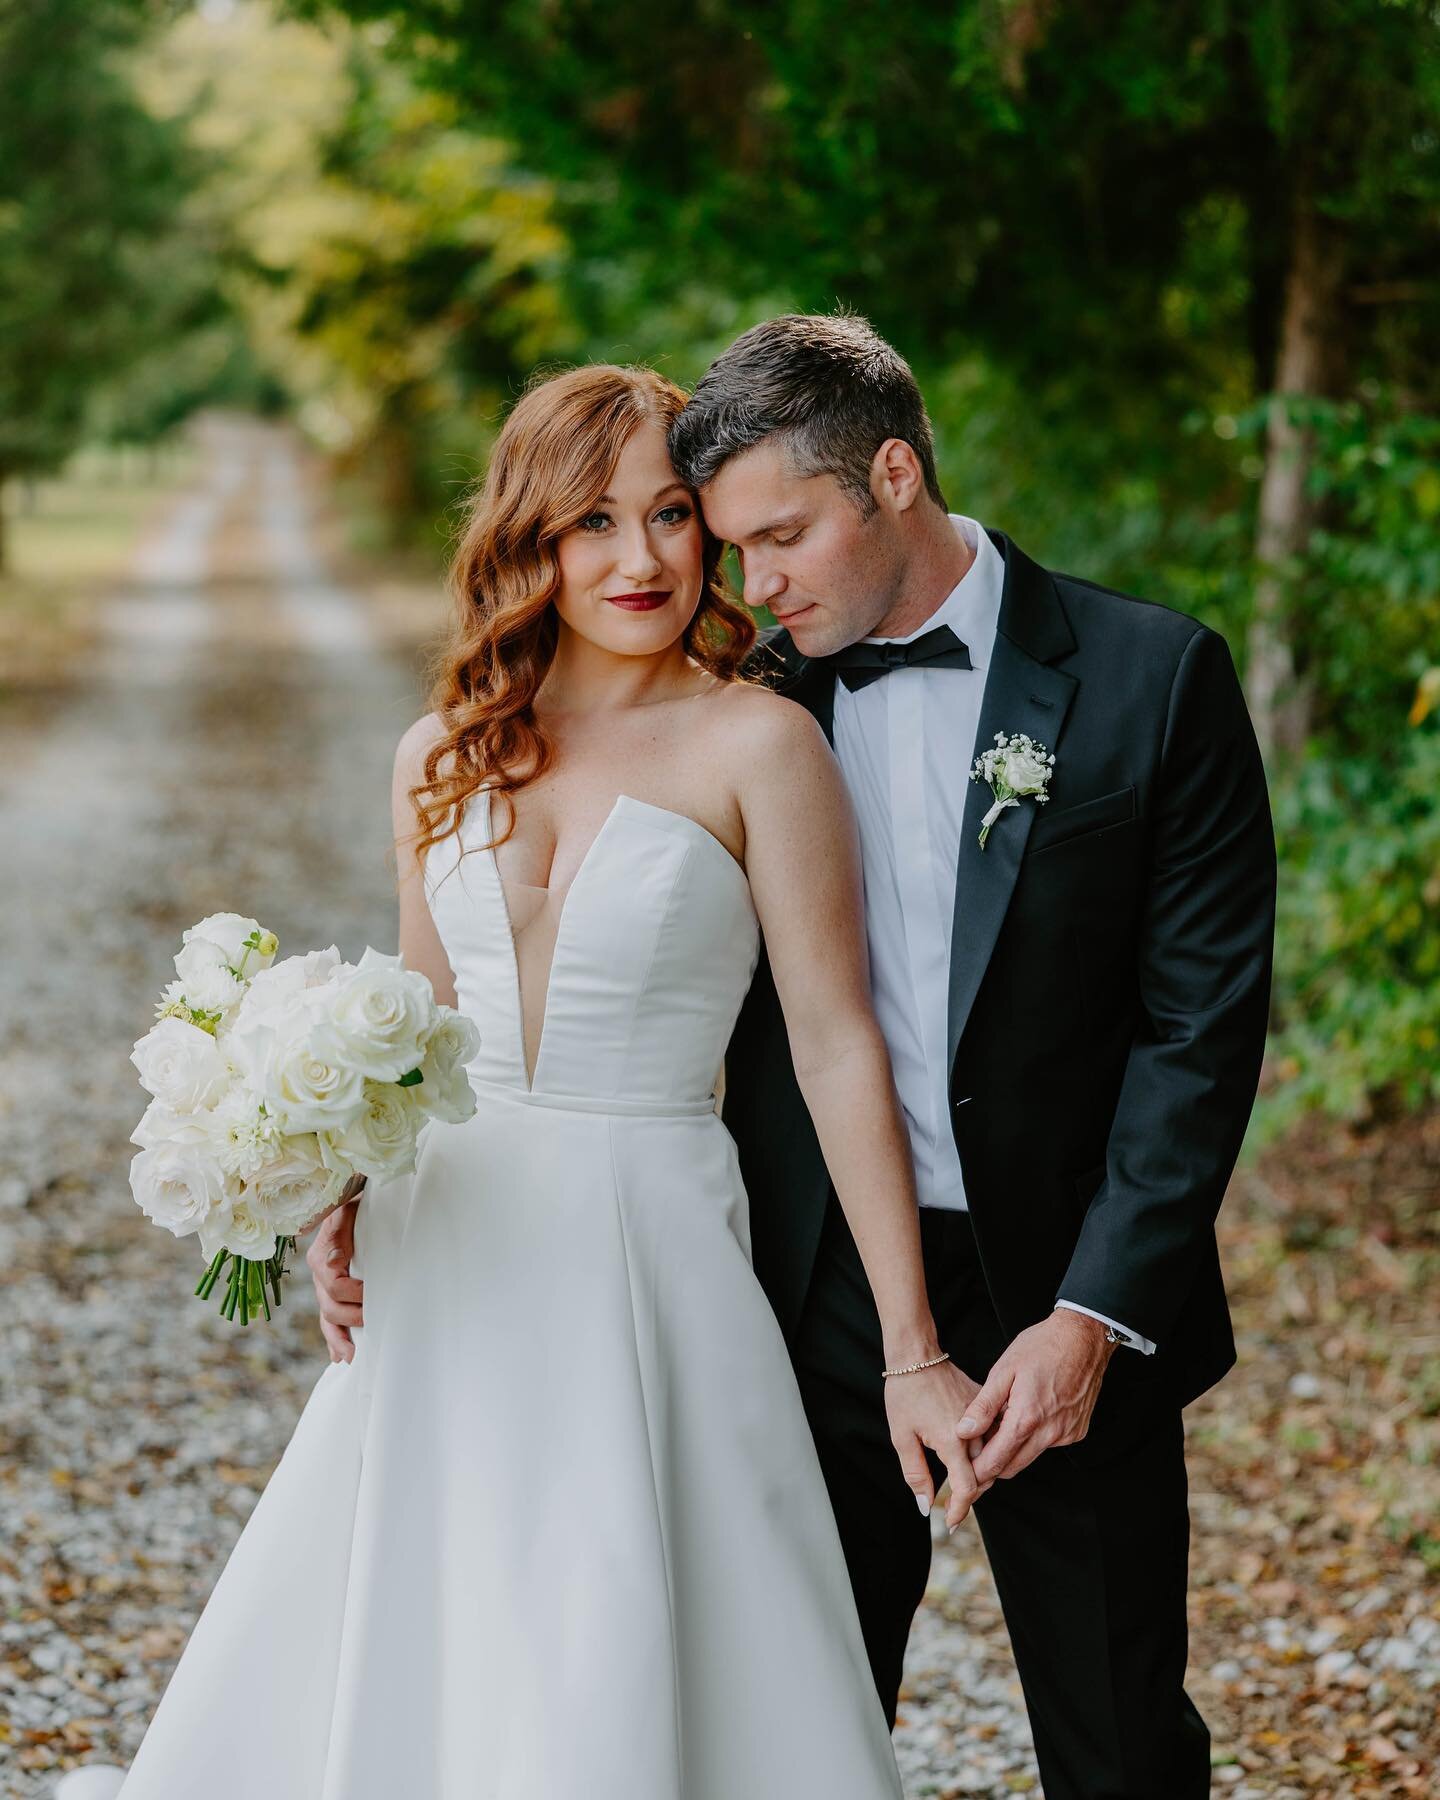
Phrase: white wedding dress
x=558 y=1531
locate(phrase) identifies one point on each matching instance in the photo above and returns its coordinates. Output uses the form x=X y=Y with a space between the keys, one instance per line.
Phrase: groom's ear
x=897 y=481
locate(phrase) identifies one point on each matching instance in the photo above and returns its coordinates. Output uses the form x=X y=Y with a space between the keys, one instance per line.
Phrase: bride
x=559 y=1528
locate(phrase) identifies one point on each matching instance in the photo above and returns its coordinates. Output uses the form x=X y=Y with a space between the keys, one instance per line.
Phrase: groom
x=1075 y=1013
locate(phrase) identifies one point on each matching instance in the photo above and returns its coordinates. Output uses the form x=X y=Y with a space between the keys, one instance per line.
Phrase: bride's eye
x=595 y=521
x=674 y=514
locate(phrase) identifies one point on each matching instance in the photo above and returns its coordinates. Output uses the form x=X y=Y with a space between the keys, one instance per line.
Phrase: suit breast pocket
x=1089 y=818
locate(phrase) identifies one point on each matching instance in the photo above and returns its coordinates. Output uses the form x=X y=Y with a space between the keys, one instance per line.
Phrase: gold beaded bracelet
x=912 y=1368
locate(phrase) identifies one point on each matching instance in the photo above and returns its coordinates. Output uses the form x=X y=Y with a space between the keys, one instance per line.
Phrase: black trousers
x=1088 y=1545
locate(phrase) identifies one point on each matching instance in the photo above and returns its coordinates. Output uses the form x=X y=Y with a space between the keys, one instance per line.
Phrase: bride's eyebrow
x=671 y=487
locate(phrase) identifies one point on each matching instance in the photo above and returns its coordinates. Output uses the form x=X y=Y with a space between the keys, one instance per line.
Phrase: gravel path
x=227 y=747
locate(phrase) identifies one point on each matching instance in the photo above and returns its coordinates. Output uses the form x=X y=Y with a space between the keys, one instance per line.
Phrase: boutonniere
x=1017 y=769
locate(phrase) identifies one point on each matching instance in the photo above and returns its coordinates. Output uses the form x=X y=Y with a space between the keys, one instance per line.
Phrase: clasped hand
x=924 y=1411
x=1041 y=1393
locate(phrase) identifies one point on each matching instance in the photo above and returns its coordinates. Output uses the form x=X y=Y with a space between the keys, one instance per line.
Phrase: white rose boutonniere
x=1017 y=769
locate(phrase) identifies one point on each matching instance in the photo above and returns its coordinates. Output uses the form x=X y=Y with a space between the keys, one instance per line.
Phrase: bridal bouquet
x=275 y=1084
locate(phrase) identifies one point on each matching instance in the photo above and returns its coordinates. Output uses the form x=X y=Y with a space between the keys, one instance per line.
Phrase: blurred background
x=270 y=274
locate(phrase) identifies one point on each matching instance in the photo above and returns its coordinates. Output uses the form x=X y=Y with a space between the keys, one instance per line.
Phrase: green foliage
x=1077 y=221
x=400 y=274
x=1358 y=949
x=91 y=184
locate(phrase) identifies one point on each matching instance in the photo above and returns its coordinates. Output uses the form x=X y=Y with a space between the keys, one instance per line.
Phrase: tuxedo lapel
x=811 y=684
x=1022 y=694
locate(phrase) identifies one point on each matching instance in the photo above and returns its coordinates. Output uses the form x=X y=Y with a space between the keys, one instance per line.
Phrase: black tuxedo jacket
x=1109 y=981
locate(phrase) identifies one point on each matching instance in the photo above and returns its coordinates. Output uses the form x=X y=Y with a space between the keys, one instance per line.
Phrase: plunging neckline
x=703 y=835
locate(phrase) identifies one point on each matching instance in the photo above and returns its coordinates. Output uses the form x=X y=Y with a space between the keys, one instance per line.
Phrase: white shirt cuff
x=1131 y=1339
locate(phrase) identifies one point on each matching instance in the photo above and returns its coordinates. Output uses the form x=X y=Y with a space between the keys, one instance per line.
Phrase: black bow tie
x=859 y=664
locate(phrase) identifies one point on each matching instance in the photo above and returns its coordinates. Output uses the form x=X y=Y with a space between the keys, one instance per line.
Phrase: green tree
x=1116 y=217
x=91 y=183
x=399 y=273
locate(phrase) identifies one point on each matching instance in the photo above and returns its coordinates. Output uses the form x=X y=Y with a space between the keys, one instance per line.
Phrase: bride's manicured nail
x=924 y=1506
x=967 y=1424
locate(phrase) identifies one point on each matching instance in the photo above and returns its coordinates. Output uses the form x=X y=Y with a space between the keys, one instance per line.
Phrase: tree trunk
x=1278 y=695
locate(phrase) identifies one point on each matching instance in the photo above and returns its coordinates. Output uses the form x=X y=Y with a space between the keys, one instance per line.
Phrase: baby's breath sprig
x=1017 y=769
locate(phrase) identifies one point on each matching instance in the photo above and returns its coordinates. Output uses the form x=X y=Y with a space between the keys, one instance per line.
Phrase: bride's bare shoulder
x=415 y=746
x=766 y=723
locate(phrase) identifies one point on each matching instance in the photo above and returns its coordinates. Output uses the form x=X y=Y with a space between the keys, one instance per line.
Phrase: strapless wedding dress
x=558 y=1531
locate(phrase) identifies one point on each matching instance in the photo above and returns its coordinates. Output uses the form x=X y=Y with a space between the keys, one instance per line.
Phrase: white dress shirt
x=906 y=744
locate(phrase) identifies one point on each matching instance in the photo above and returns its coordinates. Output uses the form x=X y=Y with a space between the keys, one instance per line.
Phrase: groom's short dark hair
x=826 y=384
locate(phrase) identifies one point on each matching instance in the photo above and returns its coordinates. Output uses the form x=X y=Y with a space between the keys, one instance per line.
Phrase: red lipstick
x=646 y=602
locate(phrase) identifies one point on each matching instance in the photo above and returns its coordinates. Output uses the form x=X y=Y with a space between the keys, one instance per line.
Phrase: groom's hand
x=339 y=1293
x=1042 y=1392
x=924 y=1411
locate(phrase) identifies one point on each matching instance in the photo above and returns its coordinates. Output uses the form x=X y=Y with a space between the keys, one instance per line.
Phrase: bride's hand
x=351 y=1191
x=339 y=1293
x=925 y=1410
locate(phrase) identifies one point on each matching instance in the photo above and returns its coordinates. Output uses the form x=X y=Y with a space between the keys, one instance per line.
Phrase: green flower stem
x=246 y=1289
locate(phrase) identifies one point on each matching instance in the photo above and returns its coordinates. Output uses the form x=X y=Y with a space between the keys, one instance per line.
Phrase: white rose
x=443 y=1092
x=177 y=1185
x=1026 y=771
x=240 y=1229
x=455 y=1039
x=160 y=1124
x=278 y=1007
x=229 y=931
x=180 y=1064
x=381 y=1014
x=206 y=977
x=380 y=1139
x=297 y=1185
x=274 y=989
x=306 y=1087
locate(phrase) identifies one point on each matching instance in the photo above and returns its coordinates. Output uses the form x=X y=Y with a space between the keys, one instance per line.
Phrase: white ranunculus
x=206 y=977
x=297 y=1185
x=180 y=1064
x=380 y=1139
x=1025 y=771
x=244 y=1137
x=177 y=1185
x=382 y=1013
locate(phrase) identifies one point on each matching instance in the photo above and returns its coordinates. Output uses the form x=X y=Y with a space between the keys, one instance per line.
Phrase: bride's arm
x=803 y=859
x=420 y=944
x=339 y=1294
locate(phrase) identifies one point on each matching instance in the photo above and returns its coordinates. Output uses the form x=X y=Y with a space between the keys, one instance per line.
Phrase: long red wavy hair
x=552 y=460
